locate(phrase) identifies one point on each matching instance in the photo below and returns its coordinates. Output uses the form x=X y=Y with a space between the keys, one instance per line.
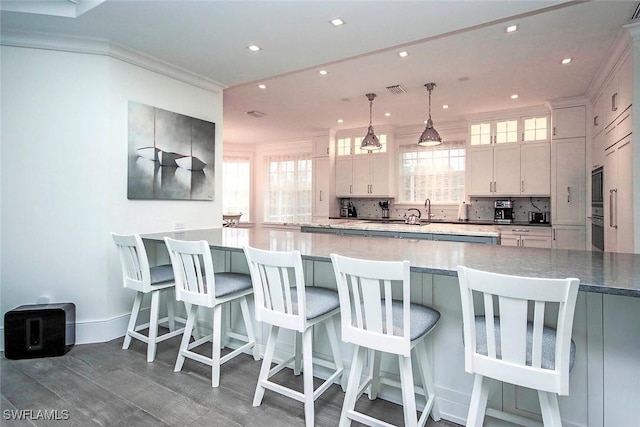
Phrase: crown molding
x=568 y=102
x=617 y=52
x=97 y=46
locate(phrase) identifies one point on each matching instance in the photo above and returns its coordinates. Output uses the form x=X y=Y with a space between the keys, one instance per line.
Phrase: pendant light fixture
x=430 y=137
x=370 y=142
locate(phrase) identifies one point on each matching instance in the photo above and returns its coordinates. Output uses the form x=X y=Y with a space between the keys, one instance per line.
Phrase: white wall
x=64 y=179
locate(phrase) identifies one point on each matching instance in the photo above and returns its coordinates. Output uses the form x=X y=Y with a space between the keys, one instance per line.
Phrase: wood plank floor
x=103 y=385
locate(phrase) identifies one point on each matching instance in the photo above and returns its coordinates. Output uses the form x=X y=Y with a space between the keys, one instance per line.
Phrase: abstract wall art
x=171 y=156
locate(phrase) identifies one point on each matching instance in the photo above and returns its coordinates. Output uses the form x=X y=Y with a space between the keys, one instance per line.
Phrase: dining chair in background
x=145 y=280
x=284 y=302
x=200 y=286
x=502 y=341
x=377 y=315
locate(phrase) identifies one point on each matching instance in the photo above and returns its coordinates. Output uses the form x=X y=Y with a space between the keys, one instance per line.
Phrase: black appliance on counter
x=538 y=217
x=597 y=208
x=503 y=212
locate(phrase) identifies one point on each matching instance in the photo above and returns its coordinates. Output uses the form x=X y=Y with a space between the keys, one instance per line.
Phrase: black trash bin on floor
x=39 y=330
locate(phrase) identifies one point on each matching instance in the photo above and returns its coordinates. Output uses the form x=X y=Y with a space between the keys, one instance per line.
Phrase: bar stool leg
x=216 y=345
x=550 y=409
x=297 y=352
x=427 y=380
x=353 y=385
x=266 y=364
x=408 y=392
x=374 y=371
x=478 y=404
x=248 y=324
x=186 y=336
x=307 y=373
x=133 y=319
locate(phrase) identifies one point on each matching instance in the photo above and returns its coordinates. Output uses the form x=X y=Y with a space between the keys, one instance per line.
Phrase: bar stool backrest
x=135 y=264
x=515 y=310
x=278 y=287
x=367 y=290
x=193 y=271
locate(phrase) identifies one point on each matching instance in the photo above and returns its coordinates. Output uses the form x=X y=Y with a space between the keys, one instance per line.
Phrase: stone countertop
x=399 y=226
x=599 y=272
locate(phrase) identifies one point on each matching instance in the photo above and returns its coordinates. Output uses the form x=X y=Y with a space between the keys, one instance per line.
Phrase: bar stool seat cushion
x=548 y=343
x=423 y=319
x=161 y=273
x=229 y=283
x=319 y=301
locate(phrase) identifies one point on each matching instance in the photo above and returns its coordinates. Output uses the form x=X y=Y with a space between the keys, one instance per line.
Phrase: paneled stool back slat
x=503 y=342
x=198 y=285
x=377 y=315
x=137 y=275
x=284 y=302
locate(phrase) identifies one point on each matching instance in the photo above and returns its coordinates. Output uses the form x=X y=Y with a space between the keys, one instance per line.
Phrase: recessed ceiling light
x=512 y=28
x=261 y=86
x=566 y=61
x=514 y=96
x=340 y=121
x=403 y=54
x=253 y=48
x=445 y=106
x=323 y=72
x=336 y=22
x=387 y=114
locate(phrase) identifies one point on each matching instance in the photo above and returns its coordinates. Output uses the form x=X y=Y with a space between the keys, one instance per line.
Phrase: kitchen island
x=604 y=383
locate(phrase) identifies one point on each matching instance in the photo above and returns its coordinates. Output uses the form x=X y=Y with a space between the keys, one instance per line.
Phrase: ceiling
x=462 y=46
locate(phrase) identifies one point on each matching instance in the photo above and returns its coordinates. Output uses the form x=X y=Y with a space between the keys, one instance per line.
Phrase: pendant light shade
x=430 y=137
x=370 y=142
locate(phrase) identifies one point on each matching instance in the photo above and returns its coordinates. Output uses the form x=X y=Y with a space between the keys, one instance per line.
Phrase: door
x=361 y=177
x=381 y=183
x=480 y=171
x=506 y=169
x=569 y=189
x=535 y=168
x=344 y=176
x=569 y=122
x=320 y=203
x=624 y=197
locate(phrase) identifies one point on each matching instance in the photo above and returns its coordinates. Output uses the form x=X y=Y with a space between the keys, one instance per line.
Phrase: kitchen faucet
x=427 y=205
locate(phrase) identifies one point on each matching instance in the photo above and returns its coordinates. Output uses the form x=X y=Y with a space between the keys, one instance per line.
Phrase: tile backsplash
x=478 y=209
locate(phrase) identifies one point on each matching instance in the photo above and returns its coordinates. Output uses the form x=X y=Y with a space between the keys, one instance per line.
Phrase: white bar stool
x=502 y=343
x=198 y=285
x=284 y=302
x=373 y=320
x=137 y=275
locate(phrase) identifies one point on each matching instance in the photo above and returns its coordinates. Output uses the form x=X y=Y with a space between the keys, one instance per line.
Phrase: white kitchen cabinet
x=526 y=237
x=597 y=150
x=569 y=122
x=479 y=164
x=618 y=208
x=568 y=181
x=363 y=174
x=320 y=203
x=535 y=169
x=569 y=237
x=321 y=146
x=534 y=128
x=509 y=170
x=618 y=91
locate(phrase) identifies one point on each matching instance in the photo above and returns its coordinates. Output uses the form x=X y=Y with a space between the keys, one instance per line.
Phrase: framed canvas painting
x=171 y=156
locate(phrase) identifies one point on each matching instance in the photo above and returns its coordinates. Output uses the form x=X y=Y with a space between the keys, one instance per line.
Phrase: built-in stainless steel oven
x=597 y=208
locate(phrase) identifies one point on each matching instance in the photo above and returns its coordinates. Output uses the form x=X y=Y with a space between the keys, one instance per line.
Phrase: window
x=506 y=131
x=436 y=173
x=343 y=145
x=236 y=196
x=535 y=129
x=481 y=134
x=288 y=195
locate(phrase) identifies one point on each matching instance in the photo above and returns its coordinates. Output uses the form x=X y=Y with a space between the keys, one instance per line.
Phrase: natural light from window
x=236 y=194
x=289 y=187
x=436 y=173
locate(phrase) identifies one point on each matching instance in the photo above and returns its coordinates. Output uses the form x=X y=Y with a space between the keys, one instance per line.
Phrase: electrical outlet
x=179 y=225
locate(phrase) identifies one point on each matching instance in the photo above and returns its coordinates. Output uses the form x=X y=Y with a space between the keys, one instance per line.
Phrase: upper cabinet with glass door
x=506 y=131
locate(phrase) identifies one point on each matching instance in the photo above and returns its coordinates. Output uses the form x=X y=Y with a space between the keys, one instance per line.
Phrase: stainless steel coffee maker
x=503 y=212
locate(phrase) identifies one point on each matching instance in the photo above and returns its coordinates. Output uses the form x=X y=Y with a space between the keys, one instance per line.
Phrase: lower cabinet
x=526 y=237
x=569 y=237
